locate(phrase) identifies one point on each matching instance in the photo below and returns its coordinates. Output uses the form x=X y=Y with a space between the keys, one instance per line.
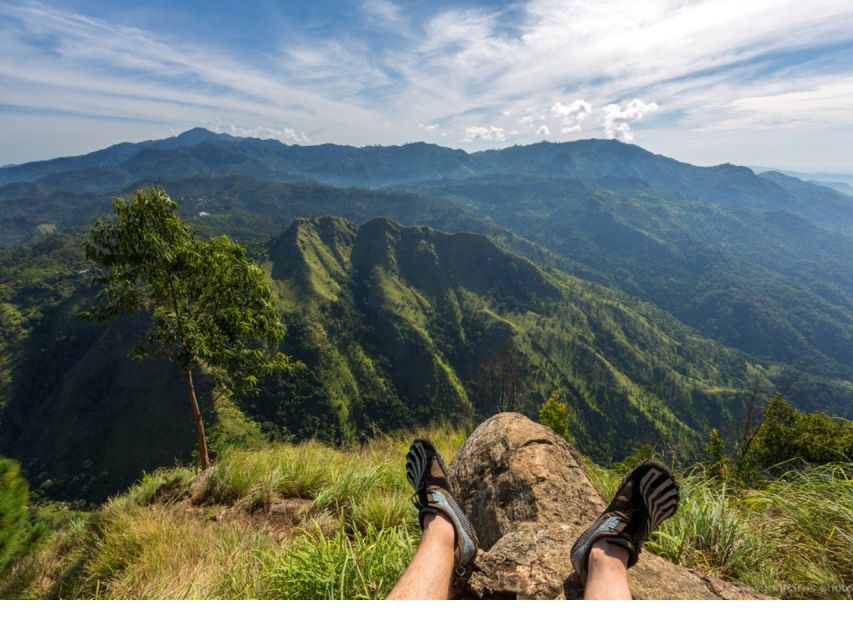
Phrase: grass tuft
x=363 y=566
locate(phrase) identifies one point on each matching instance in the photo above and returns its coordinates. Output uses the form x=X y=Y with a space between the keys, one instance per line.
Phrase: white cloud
x=478 y=132
x=286 y=135
x=577 y=111
x=428 y=127
x=543 y=130
x=526 y=121
x=383 y=10
x=571 y=115
x=617 y=121
x=95 y=70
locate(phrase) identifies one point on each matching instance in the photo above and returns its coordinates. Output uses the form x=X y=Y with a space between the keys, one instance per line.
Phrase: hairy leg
x=607 y=573
x=429 y=575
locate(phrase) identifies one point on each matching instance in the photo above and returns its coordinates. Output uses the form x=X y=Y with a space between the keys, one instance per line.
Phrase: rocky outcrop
x=528 y=499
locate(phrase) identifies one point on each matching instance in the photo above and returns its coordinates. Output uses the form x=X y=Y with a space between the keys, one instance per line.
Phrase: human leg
x=429 y=574
x=607 y=573
x=449 y=541
x=603 y=553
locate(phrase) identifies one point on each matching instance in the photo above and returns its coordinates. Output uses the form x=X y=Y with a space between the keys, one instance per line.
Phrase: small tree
x=555 y=414
x=718 y=459
x=210 y=306
x=787 y=434
x=18 y=533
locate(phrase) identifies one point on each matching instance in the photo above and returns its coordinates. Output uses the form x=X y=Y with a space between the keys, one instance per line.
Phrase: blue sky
x=759 y=82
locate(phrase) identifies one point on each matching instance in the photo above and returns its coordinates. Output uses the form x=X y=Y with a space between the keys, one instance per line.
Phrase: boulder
x=529 y=499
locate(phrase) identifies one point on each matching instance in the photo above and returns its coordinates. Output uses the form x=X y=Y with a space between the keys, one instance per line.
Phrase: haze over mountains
x=656 y=294
x=201 y=152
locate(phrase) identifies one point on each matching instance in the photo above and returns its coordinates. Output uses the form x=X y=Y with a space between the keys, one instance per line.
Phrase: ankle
x=438 y=526
x=604 y=553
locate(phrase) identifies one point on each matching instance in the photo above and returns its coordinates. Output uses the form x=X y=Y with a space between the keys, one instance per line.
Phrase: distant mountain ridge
x=110 y=156
x=202 y=153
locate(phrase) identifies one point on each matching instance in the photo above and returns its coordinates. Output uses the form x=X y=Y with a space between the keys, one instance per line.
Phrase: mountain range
x=421 y=283
x=200 y=152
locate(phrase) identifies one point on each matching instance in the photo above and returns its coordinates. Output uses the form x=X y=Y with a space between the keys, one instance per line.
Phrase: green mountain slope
x=83 y=418
x=403 y=325
x=397 y=326
x=393 y=334
x=768 y=283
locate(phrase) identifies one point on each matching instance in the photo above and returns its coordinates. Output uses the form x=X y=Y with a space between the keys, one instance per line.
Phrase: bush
x=555 y=414
x=18 y=531
x=786 y=434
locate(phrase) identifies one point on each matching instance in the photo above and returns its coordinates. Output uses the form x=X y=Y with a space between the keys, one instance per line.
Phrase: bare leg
x=607 y=573
x=431 y=570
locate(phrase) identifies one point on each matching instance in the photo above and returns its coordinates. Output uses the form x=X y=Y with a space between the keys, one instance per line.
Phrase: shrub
x=786 y=434
x=18 y=532
x=555 y=414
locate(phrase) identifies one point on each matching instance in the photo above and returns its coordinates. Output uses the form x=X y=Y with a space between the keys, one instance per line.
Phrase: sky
x=754 y=82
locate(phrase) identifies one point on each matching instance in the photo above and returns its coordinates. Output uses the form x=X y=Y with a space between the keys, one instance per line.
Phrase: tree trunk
x=199 y=425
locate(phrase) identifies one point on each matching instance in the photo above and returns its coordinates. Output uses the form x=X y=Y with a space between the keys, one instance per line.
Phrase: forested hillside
x=403 y=325
x=396 y=326
x=659 y=298
x=768 y=283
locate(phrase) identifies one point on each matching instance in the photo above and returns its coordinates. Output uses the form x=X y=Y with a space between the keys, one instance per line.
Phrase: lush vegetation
x=76 y=411
x=658 y=298
x=281 y=521
x=402 y=325
x=312 y=521
x=394 y=326
x=554 y=413
x=746 y=278
x=787 y=436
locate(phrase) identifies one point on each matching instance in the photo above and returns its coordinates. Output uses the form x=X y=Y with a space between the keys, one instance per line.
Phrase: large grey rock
x=528 y=499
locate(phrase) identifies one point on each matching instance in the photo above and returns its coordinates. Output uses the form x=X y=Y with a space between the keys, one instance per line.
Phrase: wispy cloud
x=476 y=77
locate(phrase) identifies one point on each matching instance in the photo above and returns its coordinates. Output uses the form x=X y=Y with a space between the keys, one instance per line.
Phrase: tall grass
x=815 y=518
x=364 y=565
x=358 y=532
x=157 y=552
x=179 y=535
